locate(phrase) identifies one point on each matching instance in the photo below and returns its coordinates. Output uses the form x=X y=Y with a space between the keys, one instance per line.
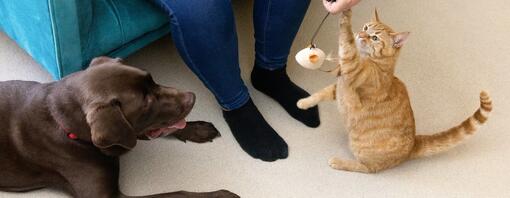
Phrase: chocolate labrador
x=68 y=134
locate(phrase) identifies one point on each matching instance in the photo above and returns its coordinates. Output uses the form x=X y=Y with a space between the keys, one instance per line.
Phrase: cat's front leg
x=348 y=52
x=328 y=93
x=308 y=102
x=346 y=37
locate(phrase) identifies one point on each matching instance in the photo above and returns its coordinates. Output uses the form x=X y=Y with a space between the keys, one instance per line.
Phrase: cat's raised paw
x=347 y=13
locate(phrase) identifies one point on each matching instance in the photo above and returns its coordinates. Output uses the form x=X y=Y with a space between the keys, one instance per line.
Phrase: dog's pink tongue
x=154 y=133
x=179 y=125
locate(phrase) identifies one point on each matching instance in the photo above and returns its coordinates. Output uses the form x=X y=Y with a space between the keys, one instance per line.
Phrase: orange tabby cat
x=378 y=113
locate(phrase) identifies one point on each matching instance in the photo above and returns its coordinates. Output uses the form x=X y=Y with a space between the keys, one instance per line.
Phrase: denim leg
x=205 y=35
x=276 y=24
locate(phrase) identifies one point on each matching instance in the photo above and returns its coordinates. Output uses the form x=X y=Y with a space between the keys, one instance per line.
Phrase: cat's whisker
x=330 y=57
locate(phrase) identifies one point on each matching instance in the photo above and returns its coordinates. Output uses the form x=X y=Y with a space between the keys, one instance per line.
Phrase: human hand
x=338 y=6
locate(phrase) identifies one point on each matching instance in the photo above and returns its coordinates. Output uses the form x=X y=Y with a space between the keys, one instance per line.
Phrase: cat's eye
x=375 y=38
x=365 y=28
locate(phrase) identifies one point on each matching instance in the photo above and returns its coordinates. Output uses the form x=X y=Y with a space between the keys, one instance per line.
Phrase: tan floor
x=456 y=49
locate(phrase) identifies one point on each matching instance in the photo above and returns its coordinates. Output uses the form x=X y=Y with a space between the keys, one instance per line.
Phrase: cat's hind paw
x=335 y=164
x=348 y=165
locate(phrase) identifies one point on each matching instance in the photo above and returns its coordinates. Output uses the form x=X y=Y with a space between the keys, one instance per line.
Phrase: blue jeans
x=205 y=35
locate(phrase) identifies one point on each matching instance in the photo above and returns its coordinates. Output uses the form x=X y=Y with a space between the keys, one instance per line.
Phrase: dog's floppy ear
x=109 y=127
x=104 y=59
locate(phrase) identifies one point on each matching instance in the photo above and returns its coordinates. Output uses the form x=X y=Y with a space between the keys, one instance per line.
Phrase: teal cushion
x=105 y=25
x=23 y=22
x=64 y=35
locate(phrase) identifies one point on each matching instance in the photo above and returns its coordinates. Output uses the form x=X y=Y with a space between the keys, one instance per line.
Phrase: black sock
x=277 y=85
x=254 y=134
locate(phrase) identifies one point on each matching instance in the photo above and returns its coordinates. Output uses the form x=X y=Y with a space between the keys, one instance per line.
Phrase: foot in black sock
x=277 y=85
x=254 y=134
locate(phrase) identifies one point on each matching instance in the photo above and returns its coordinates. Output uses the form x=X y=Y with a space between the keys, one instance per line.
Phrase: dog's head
x=123 y=104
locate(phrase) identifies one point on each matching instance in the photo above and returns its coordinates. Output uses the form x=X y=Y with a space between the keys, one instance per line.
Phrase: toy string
x=312 y=45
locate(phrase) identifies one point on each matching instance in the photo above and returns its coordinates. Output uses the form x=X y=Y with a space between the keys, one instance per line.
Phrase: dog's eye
x=375 y=38
x=116 y=102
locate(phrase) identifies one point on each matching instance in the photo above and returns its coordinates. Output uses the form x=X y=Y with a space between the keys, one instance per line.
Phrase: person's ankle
x=277 y=85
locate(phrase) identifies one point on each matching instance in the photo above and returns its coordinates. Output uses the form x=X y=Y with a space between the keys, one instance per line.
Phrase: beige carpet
x=456 y=49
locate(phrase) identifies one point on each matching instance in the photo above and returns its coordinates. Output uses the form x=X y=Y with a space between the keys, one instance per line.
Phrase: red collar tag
x=72 y=136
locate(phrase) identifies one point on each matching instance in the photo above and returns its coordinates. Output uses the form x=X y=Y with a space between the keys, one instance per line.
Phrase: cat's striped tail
x=426 y=145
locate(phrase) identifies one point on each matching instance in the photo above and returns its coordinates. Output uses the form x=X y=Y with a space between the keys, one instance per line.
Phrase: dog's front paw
x=198 y=131
x=224 y=194
x=304 y=103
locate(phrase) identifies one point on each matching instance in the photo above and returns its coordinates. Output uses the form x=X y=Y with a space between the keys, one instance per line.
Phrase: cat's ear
x=399 y=39
x=375 y=17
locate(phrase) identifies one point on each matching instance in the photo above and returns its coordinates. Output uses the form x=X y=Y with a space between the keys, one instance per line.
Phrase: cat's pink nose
x=363 y=35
